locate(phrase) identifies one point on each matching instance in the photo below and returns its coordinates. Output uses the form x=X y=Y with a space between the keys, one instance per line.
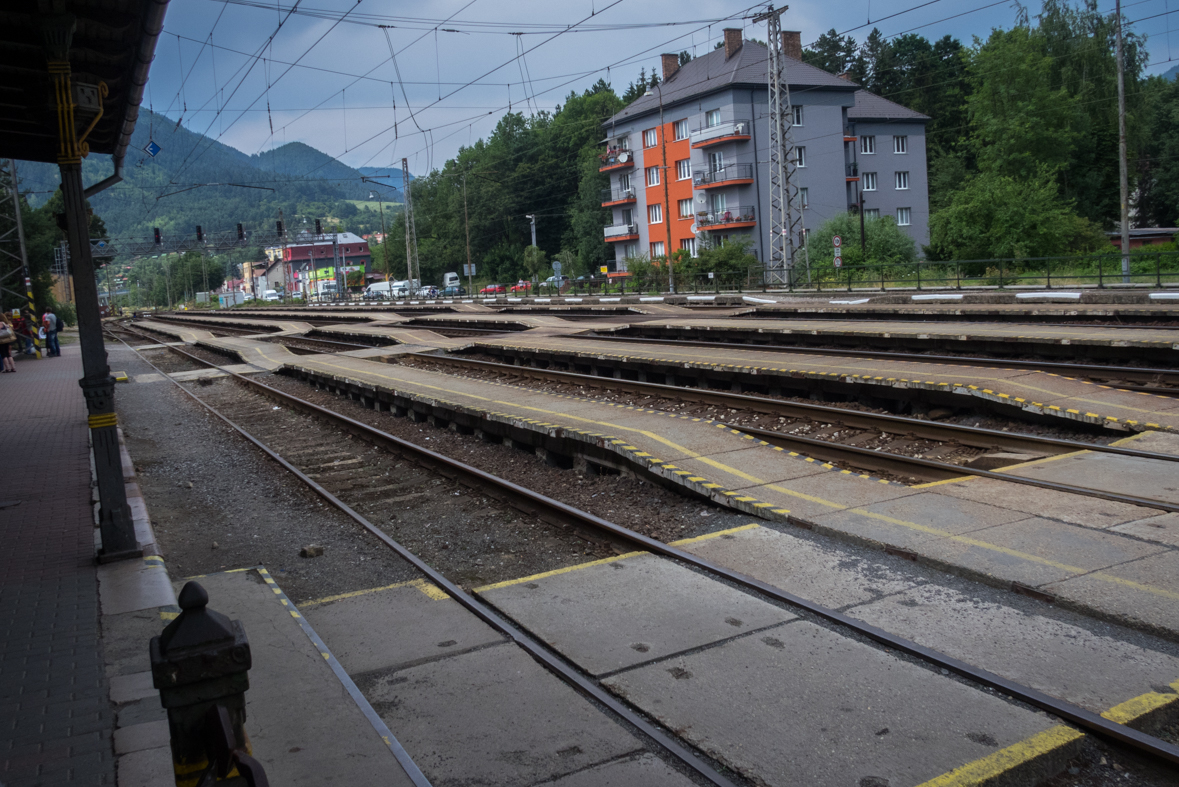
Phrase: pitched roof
x=707 y=73
x=870 y=106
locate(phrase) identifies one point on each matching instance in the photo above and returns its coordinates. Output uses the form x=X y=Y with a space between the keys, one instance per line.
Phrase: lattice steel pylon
x=411 y=235
x=14 y=260
x=787 y=234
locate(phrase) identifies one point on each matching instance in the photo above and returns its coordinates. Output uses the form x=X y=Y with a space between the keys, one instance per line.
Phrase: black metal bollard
x=200 y=664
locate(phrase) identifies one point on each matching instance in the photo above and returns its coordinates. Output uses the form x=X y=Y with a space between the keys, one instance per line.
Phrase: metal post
x=467 y=225
x=24 y=256
x=1123 y=176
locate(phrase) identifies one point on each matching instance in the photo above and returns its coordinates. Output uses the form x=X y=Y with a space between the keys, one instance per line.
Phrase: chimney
x=671 y=64
x=792 y=44
x=732 y=41
x=844 y=76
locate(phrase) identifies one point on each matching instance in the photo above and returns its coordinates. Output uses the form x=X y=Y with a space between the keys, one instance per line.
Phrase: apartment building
x=702 y=173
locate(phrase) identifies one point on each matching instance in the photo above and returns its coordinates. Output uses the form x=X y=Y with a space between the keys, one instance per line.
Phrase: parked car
x=271 y=295
x=493 y=289
x=522 y=286
x=557 y=281
x=296 y=295
x=429 y=291
x=453 y=292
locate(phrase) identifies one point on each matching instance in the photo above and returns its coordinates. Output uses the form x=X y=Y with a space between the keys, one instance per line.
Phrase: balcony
x=622 y=232
x=616 y=158
x=732 y=175
x=729 y=131
x=727 y=219
x=853 y=172
x=617 y=196
x=849 y=134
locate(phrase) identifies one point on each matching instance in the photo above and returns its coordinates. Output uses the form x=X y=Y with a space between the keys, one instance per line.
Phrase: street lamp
x=666 y=195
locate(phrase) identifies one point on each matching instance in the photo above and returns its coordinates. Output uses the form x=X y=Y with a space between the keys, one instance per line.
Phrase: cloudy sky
x=325 y=75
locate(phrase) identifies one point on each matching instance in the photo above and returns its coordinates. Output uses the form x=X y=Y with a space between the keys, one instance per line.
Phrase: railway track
x=307 y=461
x=860 y=458
x=1128 y=378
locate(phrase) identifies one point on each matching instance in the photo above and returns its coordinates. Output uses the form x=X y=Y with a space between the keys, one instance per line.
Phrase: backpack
x=60 y=324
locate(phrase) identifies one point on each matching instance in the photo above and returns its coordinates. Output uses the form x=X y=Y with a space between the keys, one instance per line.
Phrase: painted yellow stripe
x=428 y=588
x=982 y=771
x=1139 y=706
x=943 y=482
x=102 y=420
x=1043 y=461
x=555 y=572
x=717 y=534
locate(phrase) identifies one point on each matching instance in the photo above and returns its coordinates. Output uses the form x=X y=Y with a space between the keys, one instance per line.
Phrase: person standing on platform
x=7 y=340
x=49 y=323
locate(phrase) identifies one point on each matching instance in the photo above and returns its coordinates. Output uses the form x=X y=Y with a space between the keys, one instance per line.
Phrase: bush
x=885 y=242
x=67 y=313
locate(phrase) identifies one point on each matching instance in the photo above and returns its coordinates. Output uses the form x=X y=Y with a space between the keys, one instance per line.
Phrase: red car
x=494 y=289
x=523 y=286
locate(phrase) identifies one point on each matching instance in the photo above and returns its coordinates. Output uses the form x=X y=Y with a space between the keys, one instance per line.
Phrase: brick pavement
x=55 y=717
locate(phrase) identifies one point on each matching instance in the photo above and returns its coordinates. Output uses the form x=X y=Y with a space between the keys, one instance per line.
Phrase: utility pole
x=411 y=236
x=1123 y=175
x=467 y=224
x=786 y=224
x=384 y=234
x=863 y=237
x=532 y=220
x=14 y=198
x=282 y=231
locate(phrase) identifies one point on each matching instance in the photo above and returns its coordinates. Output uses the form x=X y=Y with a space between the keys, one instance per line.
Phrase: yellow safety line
x=555 y=572
x=982 y=771
x=1139 y=706
x=717 y=534
x=428 y=588
x=1045 y=460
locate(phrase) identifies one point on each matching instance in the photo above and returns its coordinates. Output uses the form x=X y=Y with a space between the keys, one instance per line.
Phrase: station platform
x=53 y=688
x=1043 y=310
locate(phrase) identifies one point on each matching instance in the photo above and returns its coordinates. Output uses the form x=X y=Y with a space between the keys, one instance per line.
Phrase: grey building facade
x=709 y=121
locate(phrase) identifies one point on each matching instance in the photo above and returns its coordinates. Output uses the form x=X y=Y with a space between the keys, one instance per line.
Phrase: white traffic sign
x=838 y=252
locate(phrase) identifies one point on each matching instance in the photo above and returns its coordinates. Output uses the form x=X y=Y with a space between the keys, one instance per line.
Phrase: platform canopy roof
x=113 y=42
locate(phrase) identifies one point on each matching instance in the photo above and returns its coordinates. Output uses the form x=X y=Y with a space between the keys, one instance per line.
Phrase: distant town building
x=715 y=109
x=1145 y=236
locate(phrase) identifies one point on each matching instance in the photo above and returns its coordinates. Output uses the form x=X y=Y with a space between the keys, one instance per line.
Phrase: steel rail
x=896 y=424
x=1064 y=369
x=869 y=458
x=1087 y=720
x=471 y=477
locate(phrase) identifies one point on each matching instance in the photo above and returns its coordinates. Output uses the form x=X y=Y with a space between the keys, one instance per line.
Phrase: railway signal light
x=241 y=232
x=278 y=226
x=200 y=234
x=156 y=231
x=318 y=228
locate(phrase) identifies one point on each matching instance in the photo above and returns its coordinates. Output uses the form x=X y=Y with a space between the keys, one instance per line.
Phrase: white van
x=381 y=290
x=271 y=295
x=450 y=280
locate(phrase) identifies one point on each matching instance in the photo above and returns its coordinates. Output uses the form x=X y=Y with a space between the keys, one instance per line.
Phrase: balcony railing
x=853 y=170
x=731 y=172
x=621 y=231
x=618 y=195
x=616 y=157
x=730 y=128
x=729 y=216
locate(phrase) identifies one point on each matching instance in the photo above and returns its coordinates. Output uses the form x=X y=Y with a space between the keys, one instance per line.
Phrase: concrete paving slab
x=150 y=377
x=852 y=714
x=611 y=615
x=131 y=585
x=644 y=771
x=1048 y=503
x=1144 y=593
x=1036 y=551
x=137 y=737
x=1159 y=442
x=493 y=716
x=396 y=627
x=1076 y=664
x=820 y=573
x=295 y=746
x=144 y=768
x=920 y=516
x=748 y=468
x=1163 y=528
x=124 y=640
x=838 y=490
x=136 y=686
x=1149 y=478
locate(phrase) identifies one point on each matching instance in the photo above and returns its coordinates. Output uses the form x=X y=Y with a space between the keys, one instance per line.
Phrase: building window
x=800 y=156
x=718 y=203
x=804 y=197
x=869 y=181
x=904 y=217
x=650 y=138
x=712 y=118
x=683 y=169
x=900 y=144
x=624 y=143
x=628 y=216
x=868 y=145
x=797 y=114
x=624 y=182
x=902 y=181
x=716 y=161
x=630 y=250
x=681 y=129
x=688 y=245
x=655 y=213
x=657 y=249
x=652 y=176
x=685 y=208
x=871 y=213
